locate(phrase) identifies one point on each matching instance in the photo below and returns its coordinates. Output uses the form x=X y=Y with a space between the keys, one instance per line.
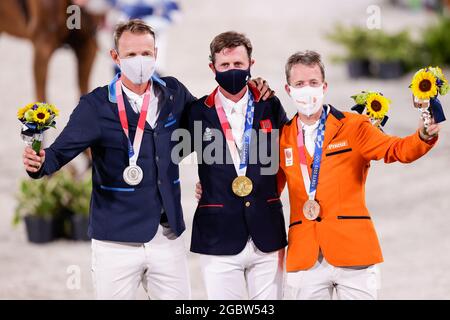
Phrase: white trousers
x=119 y=268
x=319 y=282
x=251 y=274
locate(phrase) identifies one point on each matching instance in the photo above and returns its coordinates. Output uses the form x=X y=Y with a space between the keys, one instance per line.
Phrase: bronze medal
x=311 y=209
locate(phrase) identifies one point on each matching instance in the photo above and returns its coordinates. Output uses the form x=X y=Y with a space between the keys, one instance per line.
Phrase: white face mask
x=138 y=69
x=308 y=100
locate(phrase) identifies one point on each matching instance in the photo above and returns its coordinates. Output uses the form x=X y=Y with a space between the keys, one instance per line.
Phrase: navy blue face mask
x=234 y=80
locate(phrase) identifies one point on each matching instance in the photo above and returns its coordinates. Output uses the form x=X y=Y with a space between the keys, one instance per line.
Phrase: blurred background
x=366 y=45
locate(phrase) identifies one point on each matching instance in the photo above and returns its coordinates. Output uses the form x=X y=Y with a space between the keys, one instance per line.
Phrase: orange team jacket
x=344 y=231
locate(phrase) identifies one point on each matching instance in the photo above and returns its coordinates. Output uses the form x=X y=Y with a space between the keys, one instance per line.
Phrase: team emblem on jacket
x=289 y=158
x=266 y=125
x=207 y=135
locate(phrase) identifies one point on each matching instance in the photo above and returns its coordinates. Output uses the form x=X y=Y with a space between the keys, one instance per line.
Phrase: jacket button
x=319 y=219
x=159 y=181
x=157 y=158
x=247 y=204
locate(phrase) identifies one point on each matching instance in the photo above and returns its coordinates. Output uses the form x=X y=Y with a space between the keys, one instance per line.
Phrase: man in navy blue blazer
x=135 y=228
x=238 y=229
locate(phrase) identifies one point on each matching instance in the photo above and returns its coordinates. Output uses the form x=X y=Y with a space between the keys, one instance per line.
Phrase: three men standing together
x=239 y=231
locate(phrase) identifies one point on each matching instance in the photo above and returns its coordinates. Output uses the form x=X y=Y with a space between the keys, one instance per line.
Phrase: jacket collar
x=336 y=113
x=112 y=86
x=210 y=99
x=333 y=125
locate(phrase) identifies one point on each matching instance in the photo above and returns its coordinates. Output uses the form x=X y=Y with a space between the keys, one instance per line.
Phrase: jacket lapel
x=210 y=114
x=257 y=116
x=332 y=125
x=165 y=105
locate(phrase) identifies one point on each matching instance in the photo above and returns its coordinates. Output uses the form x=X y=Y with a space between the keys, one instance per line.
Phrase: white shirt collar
x=309 y=127
x=136 y=100
x=130 y=94
x=315 y=125
x=230 y=106
x=134 y=96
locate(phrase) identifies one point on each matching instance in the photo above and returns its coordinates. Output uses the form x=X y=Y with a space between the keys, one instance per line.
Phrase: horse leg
x=12 y=19
x=43 y=50
x=85 y=53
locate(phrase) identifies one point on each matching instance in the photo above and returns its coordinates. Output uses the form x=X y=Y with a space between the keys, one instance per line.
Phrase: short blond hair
x=307 y=58
x=134 y=26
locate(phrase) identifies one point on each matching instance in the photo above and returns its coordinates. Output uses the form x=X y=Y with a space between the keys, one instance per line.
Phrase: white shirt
x=136 y=101
x=309 y=136
x=235 y=112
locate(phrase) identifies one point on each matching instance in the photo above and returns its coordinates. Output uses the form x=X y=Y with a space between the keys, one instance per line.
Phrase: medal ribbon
x=311 y=184
x=133 y=149
x=239 y=164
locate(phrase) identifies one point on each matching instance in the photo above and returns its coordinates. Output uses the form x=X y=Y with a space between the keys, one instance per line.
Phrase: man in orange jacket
x=332 y=240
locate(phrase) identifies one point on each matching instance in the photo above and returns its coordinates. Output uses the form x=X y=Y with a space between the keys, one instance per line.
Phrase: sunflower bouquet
x=36 y=118
x=374 y=104
x=426 y=85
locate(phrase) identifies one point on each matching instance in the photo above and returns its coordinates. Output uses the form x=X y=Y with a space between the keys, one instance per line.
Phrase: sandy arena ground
x=410 y=204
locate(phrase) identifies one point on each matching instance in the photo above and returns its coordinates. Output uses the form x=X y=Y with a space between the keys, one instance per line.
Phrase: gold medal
x=242 y=186
x=311 y=209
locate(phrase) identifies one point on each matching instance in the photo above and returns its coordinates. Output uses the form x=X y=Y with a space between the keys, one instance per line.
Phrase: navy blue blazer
x=120 y=212
x=223 y=222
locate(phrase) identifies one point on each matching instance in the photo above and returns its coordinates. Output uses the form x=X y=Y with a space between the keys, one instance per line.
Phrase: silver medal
x=133 y=175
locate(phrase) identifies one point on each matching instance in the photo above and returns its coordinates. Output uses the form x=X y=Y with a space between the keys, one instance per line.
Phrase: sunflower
x=41 y=115
x=377 y=106
x=22 y=111
x=424 y=85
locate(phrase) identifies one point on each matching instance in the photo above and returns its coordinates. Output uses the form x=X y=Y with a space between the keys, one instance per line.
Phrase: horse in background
x=44 y=23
